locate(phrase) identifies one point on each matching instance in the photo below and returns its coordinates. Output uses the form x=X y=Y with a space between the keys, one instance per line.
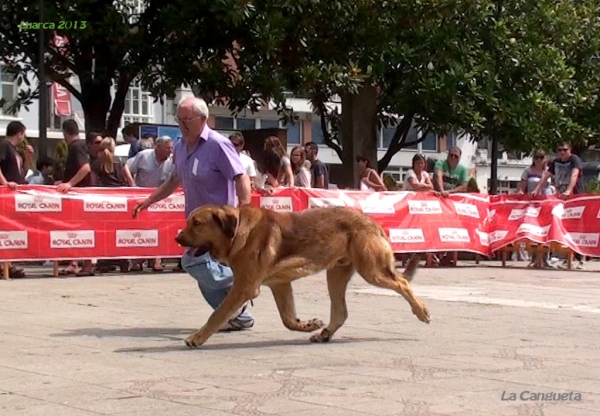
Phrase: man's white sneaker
x=579 y=265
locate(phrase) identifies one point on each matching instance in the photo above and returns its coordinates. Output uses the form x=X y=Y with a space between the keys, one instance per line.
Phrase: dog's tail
x=411 y=268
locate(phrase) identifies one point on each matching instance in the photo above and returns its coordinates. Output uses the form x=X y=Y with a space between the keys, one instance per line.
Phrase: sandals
x=16 y=273
x=157 y=269
x=67 y=272
x=85 y=273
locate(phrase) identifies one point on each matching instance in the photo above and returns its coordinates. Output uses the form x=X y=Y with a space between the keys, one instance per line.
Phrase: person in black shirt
x=319 y=172
x=77 y=173
x=77 y=165
x=12 y=166
x=12 y=169
x=108 y=171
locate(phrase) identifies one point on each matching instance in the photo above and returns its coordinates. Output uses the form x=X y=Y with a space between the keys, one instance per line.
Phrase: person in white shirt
x=417 y=178
x=238 y=141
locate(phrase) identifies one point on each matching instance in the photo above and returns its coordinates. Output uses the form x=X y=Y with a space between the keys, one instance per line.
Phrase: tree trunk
x=96 y=104
x=359 y=130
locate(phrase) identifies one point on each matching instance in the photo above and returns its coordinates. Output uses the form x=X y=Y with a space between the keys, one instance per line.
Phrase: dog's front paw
x=323 y=336
x=193 y=342
x=423 y=314
x=313 y=325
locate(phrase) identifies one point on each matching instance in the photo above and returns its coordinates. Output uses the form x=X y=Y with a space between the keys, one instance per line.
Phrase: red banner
x=38 y=223
x=62 y=100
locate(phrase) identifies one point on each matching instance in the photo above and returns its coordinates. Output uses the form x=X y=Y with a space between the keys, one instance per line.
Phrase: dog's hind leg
x=337 y=283
x=374 y=266
x=284 y=298
x=234 y=300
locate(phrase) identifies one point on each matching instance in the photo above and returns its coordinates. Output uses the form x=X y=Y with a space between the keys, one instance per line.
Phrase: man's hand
x=565 y=194
x=535 y=192
x=64 y=187
x=445 y=194
x=139 y=207
x=12 y=185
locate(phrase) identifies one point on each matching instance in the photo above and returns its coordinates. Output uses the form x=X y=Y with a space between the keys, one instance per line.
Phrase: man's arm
x=133 y=163
x=464 y=183
x=80 y=175
x=438 y=176
x=243 y=189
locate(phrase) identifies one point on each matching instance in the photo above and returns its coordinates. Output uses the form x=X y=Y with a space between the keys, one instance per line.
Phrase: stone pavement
x=113 y=345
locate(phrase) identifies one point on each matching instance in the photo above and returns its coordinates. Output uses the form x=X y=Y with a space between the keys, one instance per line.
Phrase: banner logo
x=406 y=235
x=97 y=203
x=37 y=203
x=325 y=202
x=534 y=230
x=137 y=238
x=584 y=239
x=467 y=210
x=454 y=235
x=495 y=236
x=484 y=238
x=72 y=239
x=13 y=240
x=279 y=204
x=573 y=213
x=517 y=214
x=170 y=204
x=424 y=207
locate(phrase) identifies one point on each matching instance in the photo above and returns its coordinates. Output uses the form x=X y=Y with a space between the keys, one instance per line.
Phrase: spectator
x=300 y=171
x=238 y=141
x=12 y=168
x=146 y=143
x=268 y=166
x=533 y=174
x=566 y=171
x=12 y=164
x=152 y=167
x=369 y=178
x=285 y=177
x=107 y=171
x=449 y=175
x=417 y=178
x=43 y=175
x=319 y=171
x=130 y=135
x=77 y=174
x=92 y=142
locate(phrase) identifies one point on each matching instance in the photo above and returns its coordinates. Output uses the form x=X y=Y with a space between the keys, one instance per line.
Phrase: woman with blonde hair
x=302 y=177
x=108 y=171
x=532 y=175
x=285 y=176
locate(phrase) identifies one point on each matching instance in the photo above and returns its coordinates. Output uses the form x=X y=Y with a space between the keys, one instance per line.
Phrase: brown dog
x=268 y=248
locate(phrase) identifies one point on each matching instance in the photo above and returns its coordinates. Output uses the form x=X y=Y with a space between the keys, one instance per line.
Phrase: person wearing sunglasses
x=566 y=172
x=449 y=175
x=532 y=175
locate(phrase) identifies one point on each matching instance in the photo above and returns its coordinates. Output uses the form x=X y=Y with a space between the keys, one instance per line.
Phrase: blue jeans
x=214 y=279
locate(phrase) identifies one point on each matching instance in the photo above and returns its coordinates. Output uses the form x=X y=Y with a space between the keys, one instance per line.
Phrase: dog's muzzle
x=195 y=250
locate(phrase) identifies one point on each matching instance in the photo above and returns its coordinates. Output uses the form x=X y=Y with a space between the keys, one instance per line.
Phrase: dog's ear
x=227 y=223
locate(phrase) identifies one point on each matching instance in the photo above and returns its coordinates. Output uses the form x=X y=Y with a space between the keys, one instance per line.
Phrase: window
x=450 y=140
x=138 y=105
x=430 y=143
x=293 y=133
x=224 y=123
x=411 y=137
x=269 y=124
x=387 y=136
x=8 y=92
x=245 y=124
x=317 y=132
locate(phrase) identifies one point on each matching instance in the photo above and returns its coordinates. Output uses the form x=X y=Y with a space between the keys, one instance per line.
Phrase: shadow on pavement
x=259 y=344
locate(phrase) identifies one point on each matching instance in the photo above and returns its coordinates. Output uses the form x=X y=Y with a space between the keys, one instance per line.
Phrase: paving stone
x=114 y=345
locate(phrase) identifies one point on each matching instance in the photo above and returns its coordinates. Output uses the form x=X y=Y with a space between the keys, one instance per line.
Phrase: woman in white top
x=286 y=176
x=369 y=178
x=302 y=177
x=417 y=178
